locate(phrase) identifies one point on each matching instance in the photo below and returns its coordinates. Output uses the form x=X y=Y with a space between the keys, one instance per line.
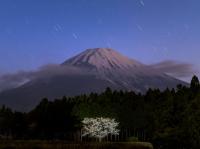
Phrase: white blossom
x=99 y=127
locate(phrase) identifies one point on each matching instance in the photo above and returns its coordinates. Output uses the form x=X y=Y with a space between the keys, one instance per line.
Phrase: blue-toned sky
x=37 y=32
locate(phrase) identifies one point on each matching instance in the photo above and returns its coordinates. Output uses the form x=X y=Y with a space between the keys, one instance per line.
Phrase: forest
x=167 y=119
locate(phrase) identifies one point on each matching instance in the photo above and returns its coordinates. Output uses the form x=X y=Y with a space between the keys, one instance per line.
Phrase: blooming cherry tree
x=99 y=127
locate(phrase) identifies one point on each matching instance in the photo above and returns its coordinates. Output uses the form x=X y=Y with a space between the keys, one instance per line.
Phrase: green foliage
x=168 y=119
x=195 y=83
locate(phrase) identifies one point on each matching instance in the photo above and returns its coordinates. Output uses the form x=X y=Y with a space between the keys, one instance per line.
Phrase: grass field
x=65 y=145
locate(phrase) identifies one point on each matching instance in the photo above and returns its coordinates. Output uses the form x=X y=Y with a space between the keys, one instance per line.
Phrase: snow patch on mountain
x=103 y=58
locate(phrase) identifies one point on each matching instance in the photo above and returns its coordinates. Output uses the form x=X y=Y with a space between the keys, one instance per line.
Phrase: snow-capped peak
x=102 y=58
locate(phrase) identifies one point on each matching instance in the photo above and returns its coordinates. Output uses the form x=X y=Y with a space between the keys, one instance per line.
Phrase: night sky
x=37 y=32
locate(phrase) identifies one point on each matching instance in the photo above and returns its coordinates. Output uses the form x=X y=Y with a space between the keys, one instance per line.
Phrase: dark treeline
x=168 y=119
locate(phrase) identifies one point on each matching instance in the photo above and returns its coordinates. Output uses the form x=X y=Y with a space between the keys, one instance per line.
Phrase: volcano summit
x=90 y=71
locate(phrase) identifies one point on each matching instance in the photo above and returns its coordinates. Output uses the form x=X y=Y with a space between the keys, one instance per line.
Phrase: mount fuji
x=90 y=71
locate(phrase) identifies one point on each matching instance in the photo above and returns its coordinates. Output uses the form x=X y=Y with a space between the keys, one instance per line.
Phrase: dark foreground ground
x=65 y=145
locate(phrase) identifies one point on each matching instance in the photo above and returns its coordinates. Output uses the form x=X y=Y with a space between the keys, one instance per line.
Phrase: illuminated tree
x=99 y=127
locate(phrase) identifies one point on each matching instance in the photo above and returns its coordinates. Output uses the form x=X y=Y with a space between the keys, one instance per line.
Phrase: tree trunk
x=100 y=139
x=81 y=136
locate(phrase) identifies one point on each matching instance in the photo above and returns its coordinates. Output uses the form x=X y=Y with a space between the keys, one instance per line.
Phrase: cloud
x=9 y=81
x=174 y=68
x=51 y=70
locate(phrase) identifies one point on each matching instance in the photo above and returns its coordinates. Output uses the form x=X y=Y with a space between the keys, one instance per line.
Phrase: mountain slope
x=29 y=95
x=102 y=58
x=121 y=71
x=98 y=68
